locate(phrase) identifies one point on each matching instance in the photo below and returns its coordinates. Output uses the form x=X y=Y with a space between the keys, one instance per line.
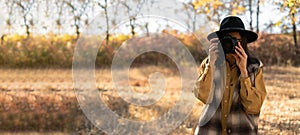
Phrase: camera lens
x=228 y=44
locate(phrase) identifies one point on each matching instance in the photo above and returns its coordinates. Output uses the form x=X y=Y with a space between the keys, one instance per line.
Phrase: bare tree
x=25 y=7
x=293 y=16
x=132 y=18
x=89 y=14
x=269 y=27
x=251 y=12
x=77 y=11
x=251 y=5
x=104 y=7
x=132 y=13
x=191 y=14
x=257 y=16
x=148 y=5
x=59 y=4
x=10 y=8
x=293 y=10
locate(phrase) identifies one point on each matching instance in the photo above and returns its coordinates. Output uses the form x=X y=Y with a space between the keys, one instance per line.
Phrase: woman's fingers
x=241 y=49
x=213 y=49
x=214 y=46
x=239 y=54
x=236 y=57
x=214 y=40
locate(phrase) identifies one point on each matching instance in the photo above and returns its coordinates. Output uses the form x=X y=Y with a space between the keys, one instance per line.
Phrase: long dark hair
x=251 y=59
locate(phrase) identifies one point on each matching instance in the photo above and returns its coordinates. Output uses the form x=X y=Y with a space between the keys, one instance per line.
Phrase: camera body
x=228 y=44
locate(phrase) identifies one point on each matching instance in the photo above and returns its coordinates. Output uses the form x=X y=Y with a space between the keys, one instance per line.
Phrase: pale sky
x=268 y=14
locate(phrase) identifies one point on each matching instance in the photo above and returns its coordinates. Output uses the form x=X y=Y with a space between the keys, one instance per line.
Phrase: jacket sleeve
x=252 y=96
x=203 y=84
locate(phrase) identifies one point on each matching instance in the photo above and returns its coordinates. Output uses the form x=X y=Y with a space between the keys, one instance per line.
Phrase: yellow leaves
x=293 y=7
x=293 y=20
x=197 y=4
x=119 y=37
x=213 y=6
x=234 y=12
x=200 y=3
x=217 y=4
x=206 y=4
x=285 y=27
x=238 y=10
x=4 y=38
x=207 y=10
x=16 y=37
x=290 y=4
x=293 y=11
x=278 y=23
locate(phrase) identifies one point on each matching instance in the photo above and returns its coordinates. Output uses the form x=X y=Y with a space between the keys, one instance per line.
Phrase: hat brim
x=250 y=35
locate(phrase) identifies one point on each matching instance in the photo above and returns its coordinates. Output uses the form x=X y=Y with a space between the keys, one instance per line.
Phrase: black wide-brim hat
x=233 y=24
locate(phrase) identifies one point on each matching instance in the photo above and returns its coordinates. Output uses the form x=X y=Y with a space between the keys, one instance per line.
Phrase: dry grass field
x=42 y=101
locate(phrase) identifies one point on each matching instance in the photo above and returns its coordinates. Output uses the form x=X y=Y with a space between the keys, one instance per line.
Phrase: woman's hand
x=241 y=59
x=213 y=50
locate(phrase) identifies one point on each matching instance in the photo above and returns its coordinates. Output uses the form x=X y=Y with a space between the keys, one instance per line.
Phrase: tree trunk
x=26 y=26
x=257 y=16
x=132 y=20
x=107 y=22
x=250 y=10
x=77 y=31
x=147 y=29
x=295 y=32
x=27 y=30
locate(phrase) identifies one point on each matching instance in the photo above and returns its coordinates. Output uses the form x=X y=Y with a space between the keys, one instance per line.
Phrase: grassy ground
x=43 y=101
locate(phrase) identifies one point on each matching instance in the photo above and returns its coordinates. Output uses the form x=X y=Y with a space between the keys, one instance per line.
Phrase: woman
x=244 y=91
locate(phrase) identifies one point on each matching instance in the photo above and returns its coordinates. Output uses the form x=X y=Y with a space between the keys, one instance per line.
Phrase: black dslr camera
x=228 y=44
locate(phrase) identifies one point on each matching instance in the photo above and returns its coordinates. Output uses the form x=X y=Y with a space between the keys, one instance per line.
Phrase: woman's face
x=236 y=35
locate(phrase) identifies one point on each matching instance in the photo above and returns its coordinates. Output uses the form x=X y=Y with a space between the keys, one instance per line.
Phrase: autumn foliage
x=56 y=51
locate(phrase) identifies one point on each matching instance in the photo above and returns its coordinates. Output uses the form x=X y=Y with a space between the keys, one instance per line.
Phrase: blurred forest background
x=43 y=34
x=38 y=39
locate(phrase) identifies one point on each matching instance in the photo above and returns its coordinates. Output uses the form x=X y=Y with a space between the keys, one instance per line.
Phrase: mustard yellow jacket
x=252 y=90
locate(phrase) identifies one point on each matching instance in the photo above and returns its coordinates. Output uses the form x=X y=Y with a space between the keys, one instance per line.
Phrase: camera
x=228 y=44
